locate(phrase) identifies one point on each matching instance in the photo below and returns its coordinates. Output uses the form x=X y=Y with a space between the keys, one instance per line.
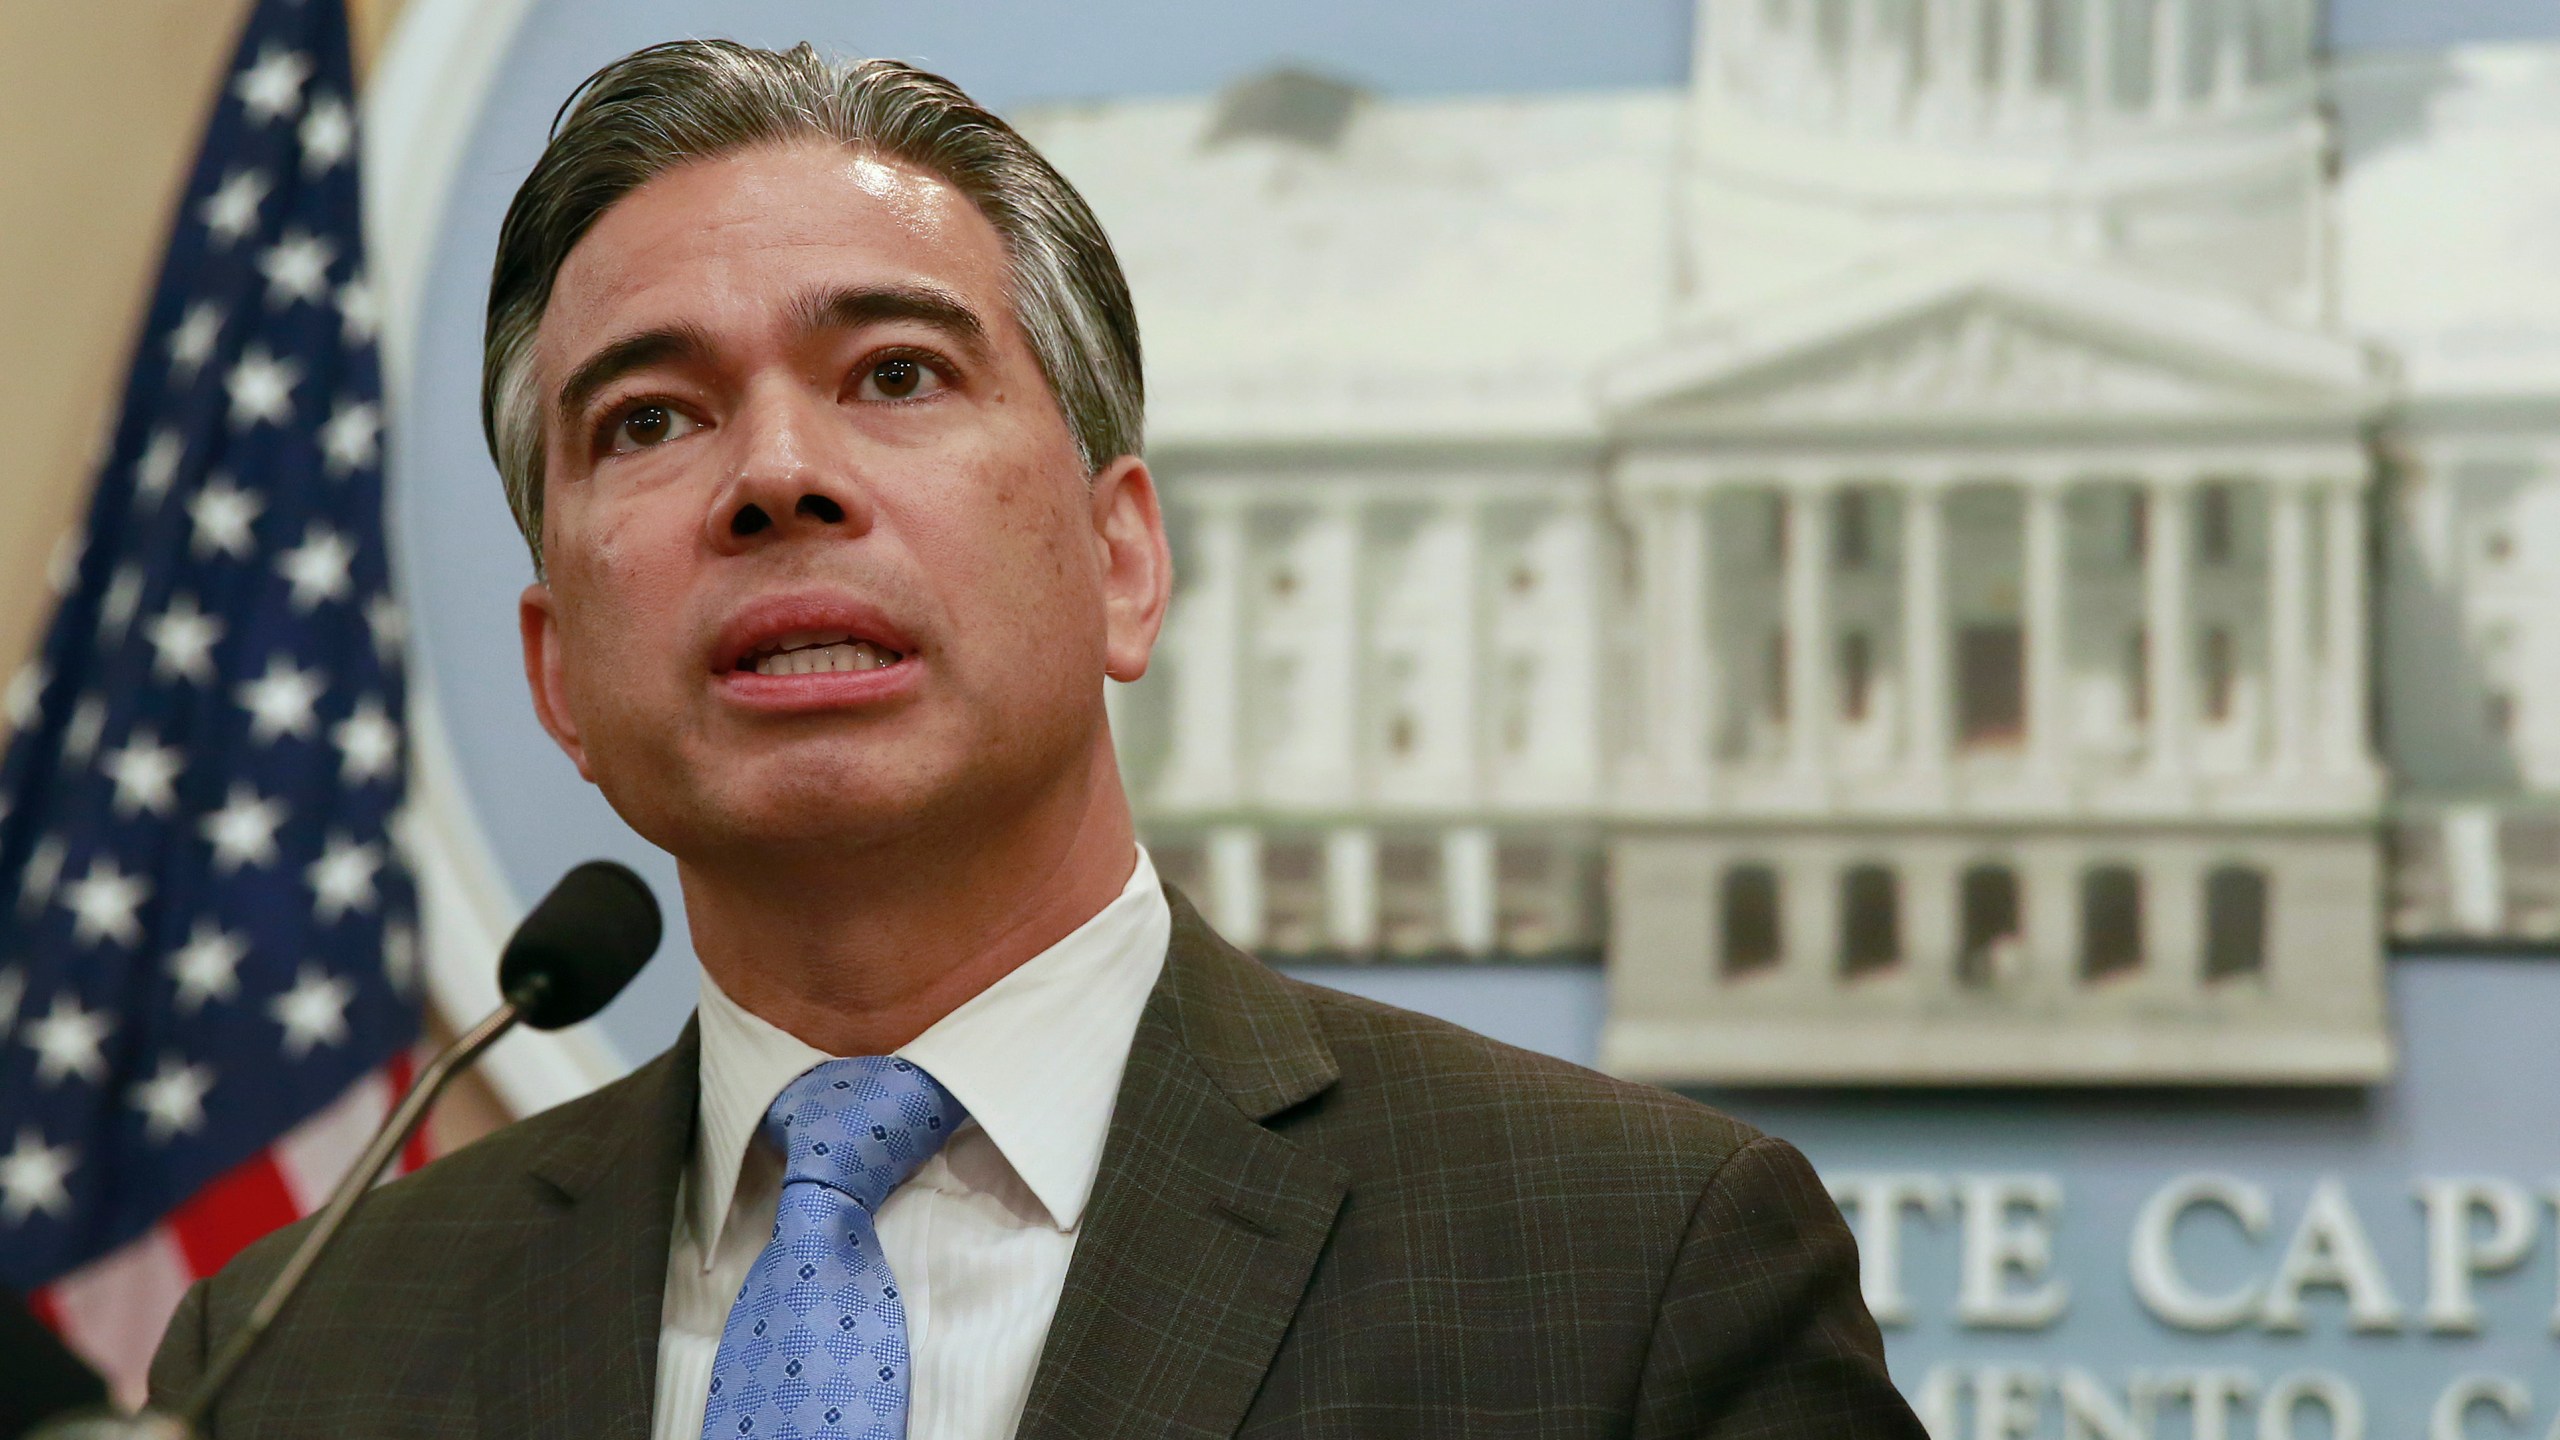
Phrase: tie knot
x=860 y=1125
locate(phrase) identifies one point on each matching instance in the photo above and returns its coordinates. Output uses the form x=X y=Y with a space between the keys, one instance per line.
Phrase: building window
x=2235 y=922
x=2213 y=524
x=2110 y=921
x=1857 y=674
x=1991 y=685
x=1292 y=895
x=1413 y=908
x=2218 y=664
x=1751 y=933
x=1779 y=525
x=1182 y=862
x=1870 y=921
x=2137 y=528
x=2498 y=716
x=1542 y=896
x=1987 y=900
x=1853 y=541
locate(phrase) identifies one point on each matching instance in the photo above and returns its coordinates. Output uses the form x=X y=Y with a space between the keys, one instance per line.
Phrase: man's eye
x=897 y=377
x=649 y=425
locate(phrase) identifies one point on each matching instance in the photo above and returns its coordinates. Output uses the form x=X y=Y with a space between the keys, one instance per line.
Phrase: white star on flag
x=231 y=211
x=399 y=956
x=261 y=388
x=369 y=742
x=328 y=133
x=313 y=1012
x=297 y=268
x=116 y=607
x=103 y=904
x=317 y=568
x=191 y=344
x=157 y=469
x=207 y=967
x=243 y=831
x=224 y=515
x=146 y=774
x=352 y=437
x=26 y=688
x=43 y=872
x=342 y=878
x=69 y=1041
x=172 y=1101
x=390 y=627
x=272 y=89
x=279 y=702
x=31 y=1178
x=183 y=638
x=80 y=737
x=361 y=318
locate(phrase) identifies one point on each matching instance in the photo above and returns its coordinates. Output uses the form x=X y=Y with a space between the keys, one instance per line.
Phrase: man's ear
x=1136 y=565
x=538 y=621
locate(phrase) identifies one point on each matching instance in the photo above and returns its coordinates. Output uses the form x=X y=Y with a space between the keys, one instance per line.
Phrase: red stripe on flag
x=42 y=1306
x=402 y=1071
x=223 y=1217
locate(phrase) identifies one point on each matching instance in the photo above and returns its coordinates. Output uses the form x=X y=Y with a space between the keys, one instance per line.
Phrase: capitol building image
x=1979 y=541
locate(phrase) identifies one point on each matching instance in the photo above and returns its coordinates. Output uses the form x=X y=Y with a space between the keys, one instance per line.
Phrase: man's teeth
x=833 y=659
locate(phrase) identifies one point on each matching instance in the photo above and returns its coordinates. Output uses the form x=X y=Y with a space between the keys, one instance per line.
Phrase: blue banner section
x=2188 y=1264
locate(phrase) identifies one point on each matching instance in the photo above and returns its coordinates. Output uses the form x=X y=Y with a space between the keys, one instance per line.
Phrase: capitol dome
x=2182 y=138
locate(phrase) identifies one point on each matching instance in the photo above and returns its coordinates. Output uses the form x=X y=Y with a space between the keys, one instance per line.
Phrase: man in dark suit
x=816 y=392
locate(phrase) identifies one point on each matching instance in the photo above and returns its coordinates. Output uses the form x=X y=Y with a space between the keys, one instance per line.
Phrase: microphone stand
x=387 y=1142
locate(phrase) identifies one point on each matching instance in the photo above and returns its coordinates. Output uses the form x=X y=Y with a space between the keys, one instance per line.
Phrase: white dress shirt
x=980 y=1237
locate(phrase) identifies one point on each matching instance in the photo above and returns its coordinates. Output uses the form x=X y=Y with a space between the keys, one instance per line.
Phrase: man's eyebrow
x=855 y=307
x=631 y=352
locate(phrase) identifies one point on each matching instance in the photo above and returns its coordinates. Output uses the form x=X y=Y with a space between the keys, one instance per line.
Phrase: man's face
x=822 y=562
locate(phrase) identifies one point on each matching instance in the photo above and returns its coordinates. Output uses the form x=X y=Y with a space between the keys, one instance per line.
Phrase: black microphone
x=566 y=961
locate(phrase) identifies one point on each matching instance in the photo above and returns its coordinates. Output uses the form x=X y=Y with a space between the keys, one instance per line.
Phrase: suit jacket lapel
x=1204 y=1225
x=569 y=1346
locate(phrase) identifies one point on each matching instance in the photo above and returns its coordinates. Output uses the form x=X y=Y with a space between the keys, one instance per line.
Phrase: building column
x=1461 y=705
x=1924 y=626
x=1235 y=884
x=2288 y=623
x=2046 y=622
x=1861 y=97
x=2345 y=624
x=2231 y=57
x=1351 y=889
x=2164 y=609
x=2097 y=58
x=1206 y=767
x=2169 y=20
x=2017 y=59
x=1679 y=680
x=1956 y=68
x=1808 y=610
x=1467 y=885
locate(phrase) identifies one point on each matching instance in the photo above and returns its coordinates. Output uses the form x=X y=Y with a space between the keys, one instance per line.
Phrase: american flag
x=208 y=936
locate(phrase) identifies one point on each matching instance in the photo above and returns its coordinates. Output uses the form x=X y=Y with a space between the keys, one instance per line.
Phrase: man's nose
x=790 y=478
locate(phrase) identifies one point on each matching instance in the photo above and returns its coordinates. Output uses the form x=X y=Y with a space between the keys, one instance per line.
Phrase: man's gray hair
x=670 y=105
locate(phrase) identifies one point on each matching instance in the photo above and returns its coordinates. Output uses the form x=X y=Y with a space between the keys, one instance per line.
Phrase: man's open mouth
x=818 y=652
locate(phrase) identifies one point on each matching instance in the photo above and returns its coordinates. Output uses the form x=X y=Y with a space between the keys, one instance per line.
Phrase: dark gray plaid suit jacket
x=1316 y=1216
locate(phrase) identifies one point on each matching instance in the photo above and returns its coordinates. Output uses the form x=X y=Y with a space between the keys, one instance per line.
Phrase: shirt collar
x=1036 y=1058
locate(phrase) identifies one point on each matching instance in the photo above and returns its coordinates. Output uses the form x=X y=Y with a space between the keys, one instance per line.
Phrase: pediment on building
x=1984 y=341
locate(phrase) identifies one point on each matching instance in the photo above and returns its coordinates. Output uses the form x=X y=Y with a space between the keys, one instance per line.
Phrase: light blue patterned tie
x=816 y=1344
